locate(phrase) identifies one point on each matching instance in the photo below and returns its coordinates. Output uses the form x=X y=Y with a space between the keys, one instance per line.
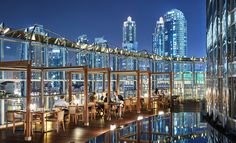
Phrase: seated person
x=74 y=100
x=61 y=103
x=93 y=97
x=156 y=93
x=103 y=96
x=118 y=99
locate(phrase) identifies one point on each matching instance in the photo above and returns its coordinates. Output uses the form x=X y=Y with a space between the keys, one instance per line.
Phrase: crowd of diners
x=98 y=107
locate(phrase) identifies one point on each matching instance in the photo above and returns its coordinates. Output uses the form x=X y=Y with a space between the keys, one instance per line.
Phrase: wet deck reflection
x=170 y=127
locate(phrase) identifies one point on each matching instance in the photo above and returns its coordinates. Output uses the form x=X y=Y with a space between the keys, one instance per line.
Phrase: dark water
x=181 y=127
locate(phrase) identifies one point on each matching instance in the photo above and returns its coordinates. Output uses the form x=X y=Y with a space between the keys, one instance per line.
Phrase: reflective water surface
x=181 y=127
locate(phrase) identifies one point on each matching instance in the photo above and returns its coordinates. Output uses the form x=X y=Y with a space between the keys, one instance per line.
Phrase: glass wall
x=221 y=55
x=188 y=75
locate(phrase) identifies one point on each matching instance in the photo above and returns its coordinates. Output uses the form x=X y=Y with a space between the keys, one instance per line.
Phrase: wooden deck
x=80 y=133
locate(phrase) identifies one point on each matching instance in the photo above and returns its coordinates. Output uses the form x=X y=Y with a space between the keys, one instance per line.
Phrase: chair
x=127 y=104
x=36 y=118
x=59 y=118
x=146 y=102
x=106 y=109
x=80 y=112
x=73 y=114
x=93 y=111
x=14 y=117
x=133 y=102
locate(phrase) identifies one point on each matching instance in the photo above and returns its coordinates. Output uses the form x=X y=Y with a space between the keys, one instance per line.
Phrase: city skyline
x=108 y=18
x=170 y=36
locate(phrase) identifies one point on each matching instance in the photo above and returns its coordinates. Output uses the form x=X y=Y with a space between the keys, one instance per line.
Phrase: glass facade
x=175 y=37
x=188 y=81
x=221 y=63
x=129 y=35
x=158 y=38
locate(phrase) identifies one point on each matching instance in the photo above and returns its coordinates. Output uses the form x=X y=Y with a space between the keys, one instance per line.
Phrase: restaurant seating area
x=71 y=109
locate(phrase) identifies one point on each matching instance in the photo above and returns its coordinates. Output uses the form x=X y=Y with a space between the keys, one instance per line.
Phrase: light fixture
x=112 y=127
x=161 y=113
x=33 y=107
x=140 y=118
x=6 y=30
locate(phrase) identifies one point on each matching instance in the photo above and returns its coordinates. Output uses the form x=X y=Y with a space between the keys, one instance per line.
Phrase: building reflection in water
x=170 y=127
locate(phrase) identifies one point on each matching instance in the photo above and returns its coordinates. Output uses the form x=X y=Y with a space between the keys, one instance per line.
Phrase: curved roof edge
x=18 y=34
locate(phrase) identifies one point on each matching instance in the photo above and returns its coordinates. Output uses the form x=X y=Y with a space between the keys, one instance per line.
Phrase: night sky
x=97 y=18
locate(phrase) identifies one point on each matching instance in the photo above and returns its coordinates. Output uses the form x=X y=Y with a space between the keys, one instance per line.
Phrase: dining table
x=41 y=114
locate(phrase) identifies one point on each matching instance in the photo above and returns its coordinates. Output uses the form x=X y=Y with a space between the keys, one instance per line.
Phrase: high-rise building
x=100 y=59
x=129 y=35
x=38 y=30
x=170 y=37
x=221 y=61
x=83 y=39
x=81 y=58
x=101 y=42
x=158 y=40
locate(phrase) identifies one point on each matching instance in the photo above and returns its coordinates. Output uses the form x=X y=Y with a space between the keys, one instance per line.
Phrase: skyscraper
x=221 y=61
x=129 y=43
x=158 y=38
x=170 y=36
x=175 y=33
x=101 y=42
x=83 y=39
x=100 y=59
x=129 y=35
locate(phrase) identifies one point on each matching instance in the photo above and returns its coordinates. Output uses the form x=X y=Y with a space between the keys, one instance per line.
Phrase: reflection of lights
x=122 y=126
x=112 y=127
x=161 y=113
x=140 y=118
x=167 y=128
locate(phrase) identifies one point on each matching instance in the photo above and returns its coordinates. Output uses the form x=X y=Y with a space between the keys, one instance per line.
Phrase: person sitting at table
x=117 y=97
x=120 y=100
x=103 y=96
x=156 y=93
x=93 y=99
x=74 y=100
x=105 y=99
x=61 y=103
